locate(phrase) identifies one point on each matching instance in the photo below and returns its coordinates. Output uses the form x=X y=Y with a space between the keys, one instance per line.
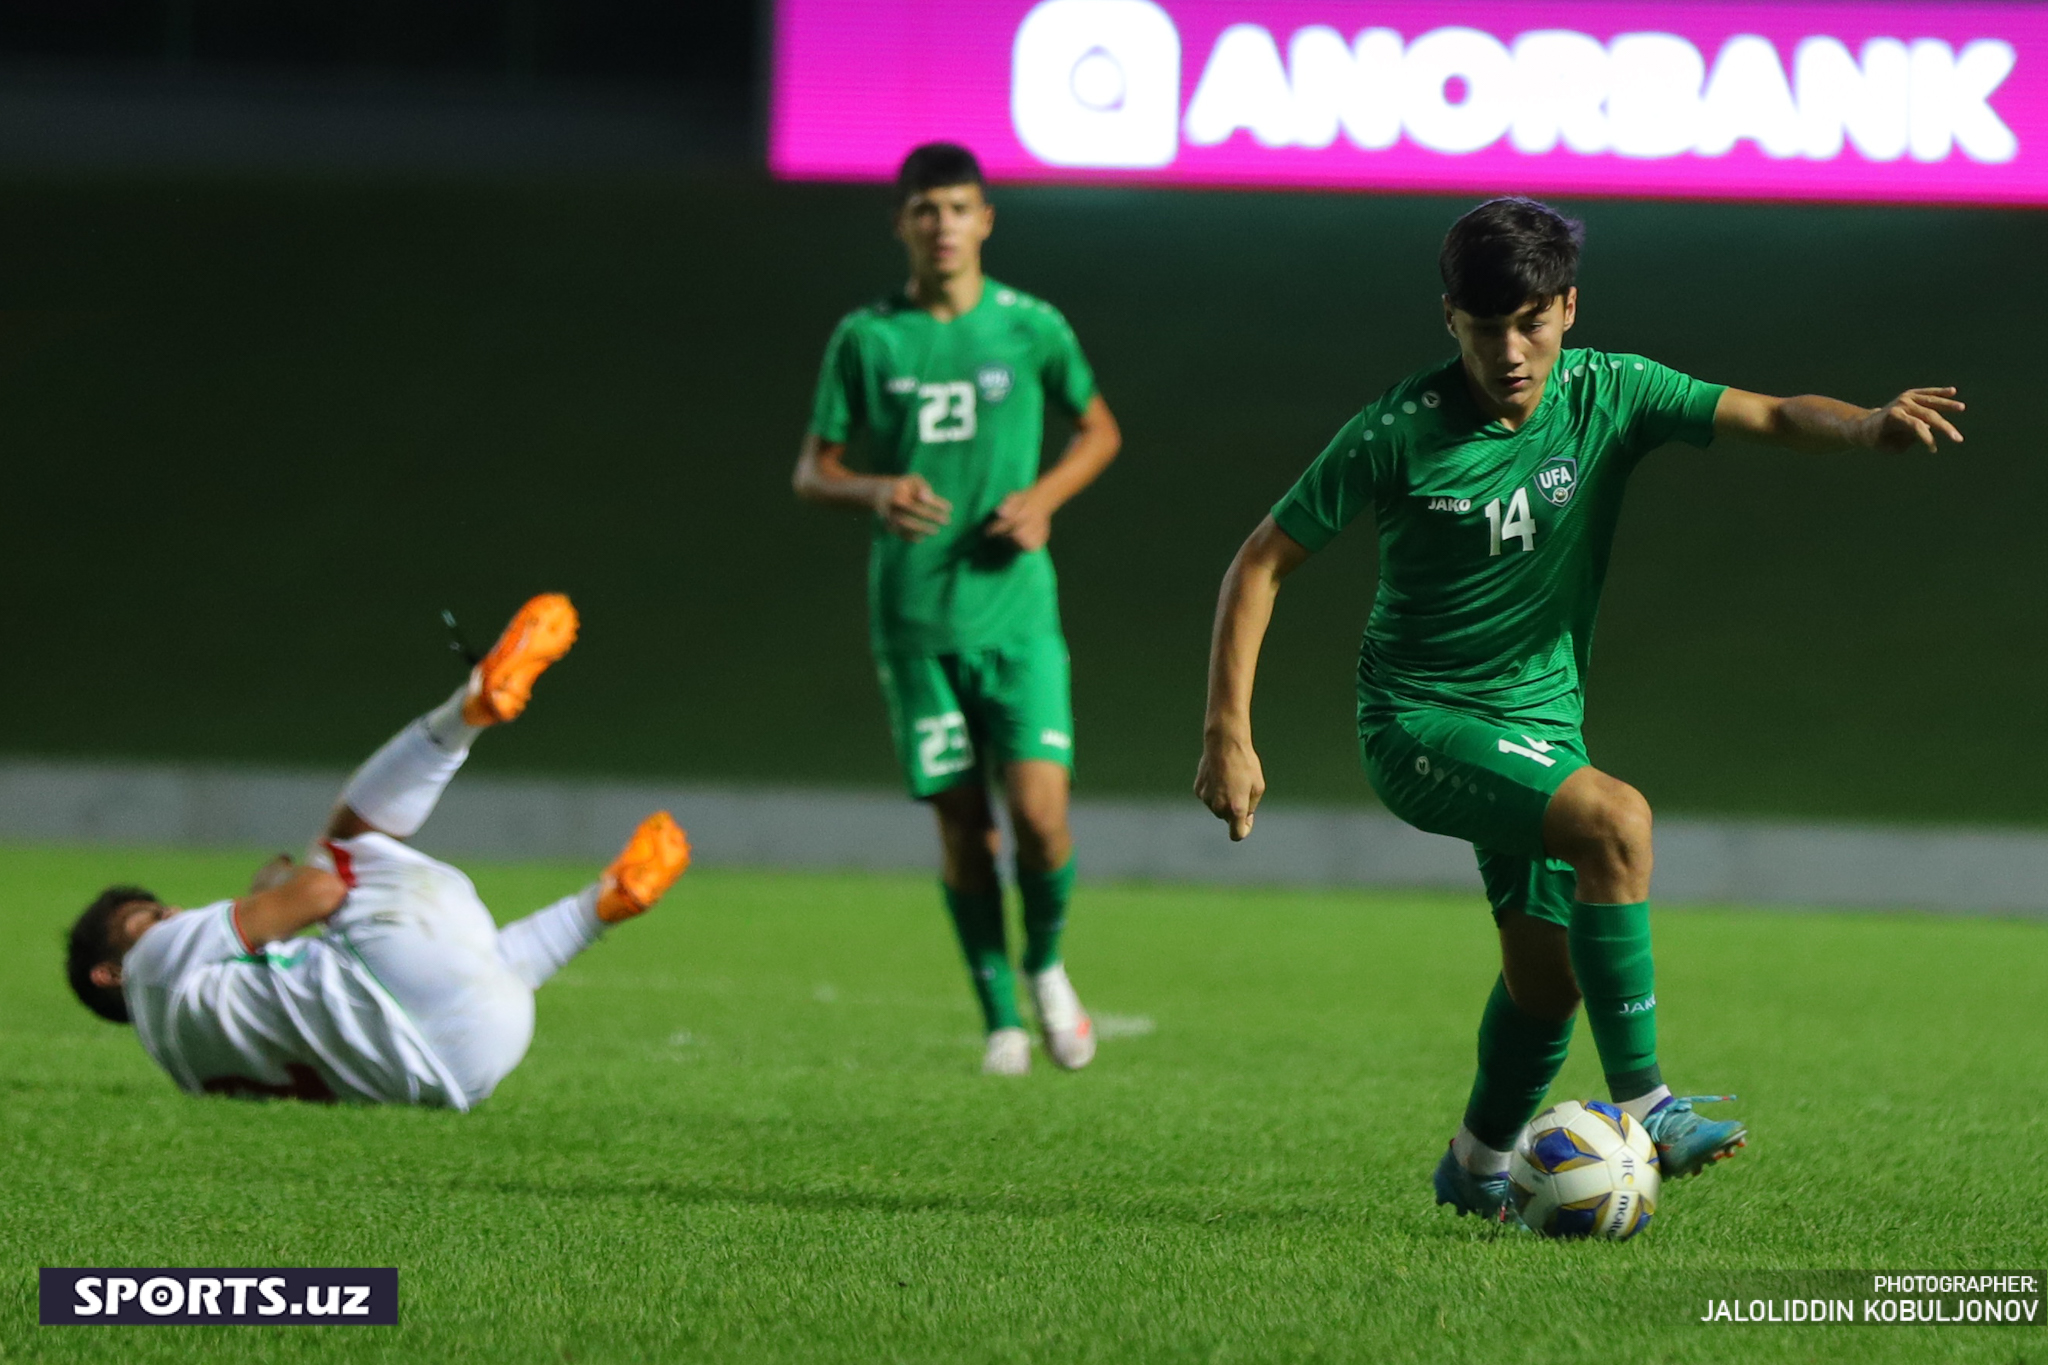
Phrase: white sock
x=446 y=727
x=1475 y=1156
x=537 y=947
x=1639 y=1108
x=396 y=788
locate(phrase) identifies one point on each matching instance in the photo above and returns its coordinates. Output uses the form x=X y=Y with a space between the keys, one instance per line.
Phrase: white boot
x=1009 y=1053
x=1068 y=1031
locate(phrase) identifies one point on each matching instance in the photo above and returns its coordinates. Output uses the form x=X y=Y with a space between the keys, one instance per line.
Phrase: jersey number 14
x=1514 y=524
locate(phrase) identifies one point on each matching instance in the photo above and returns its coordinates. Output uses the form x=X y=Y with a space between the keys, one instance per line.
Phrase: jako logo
x=1097 y=83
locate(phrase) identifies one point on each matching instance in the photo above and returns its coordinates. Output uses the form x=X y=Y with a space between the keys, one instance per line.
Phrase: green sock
x=978 y=920
x=1045 y=914
x=1610 y=948
x=1519 y=1056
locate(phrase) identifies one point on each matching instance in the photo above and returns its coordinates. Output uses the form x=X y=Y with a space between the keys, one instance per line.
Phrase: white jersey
x=303 y=1018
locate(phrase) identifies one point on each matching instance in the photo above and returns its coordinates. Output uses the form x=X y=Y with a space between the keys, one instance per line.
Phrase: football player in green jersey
x=945 y=385
x=1495 y=480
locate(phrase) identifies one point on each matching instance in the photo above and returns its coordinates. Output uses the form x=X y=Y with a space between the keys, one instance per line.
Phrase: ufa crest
x=1557 y=478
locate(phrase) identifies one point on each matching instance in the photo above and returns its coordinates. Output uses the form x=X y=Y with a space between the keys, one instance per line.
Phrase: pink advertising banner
x=1807 y=100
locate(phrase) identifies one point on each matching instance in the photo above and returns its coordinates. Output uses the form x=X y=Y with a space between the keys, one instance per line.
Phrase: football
x=1585 y=1169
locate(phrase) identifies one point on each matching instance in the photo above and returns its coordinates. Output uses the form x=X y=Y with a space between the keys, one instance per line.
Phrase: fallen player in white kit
x=411 y=994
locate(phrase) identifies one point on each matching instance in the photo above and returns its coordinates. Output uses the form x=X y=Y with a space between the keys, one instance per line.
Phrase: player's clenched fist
x=1020 y=520
x=910 y=508
x=1912 y=419
x=1230 y=782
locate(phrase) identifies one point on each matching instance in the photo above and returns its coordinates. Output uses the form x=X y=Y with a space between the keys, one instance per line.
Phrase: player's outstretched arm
x=1025 y=518
x=906 y=503
x=288 y=902
x=1819 y=425
x=1230 y=781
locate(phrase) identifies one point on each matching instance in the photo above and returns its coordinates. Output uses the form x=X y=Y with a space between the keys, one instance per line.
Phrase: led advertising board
x=1805 y=100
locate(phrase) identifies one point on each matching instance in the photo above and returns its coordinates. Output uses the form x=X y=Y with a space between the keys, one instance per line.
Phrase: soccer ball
x=1585 y=1170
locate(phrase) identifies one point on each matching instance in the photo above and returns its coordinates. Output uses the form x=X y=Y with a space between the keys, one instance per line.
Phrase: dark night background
x=320 y=317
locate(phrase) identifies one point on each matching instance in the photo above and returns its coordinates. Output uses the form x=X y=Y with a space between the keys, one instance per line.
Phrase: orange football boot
x=500 y=685
x=645 y=868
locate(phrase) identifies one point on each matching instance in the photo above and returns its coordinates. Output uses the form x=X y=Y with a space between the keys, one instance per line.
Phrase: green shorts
x=956 y=715
x=1483 y=781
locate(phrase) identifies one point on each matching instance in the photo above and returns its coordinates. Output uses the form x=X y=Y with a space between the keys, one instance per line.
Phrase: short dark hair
x=934 y=165
x=1507 y=254
x=90 y=946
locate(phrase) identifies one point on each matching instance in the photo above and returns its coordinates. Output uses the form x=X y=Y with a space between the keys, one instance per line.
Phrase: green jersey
x=1493 y=543
x=963 y=404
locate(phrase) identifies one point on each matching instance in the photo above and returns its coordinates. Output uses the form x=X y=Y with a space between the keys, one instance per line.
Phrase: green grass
x=750 y=1129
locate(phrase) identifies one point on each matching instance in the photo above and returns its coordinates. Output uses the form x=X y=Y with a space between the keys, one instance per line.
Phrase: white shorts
x=419 y=927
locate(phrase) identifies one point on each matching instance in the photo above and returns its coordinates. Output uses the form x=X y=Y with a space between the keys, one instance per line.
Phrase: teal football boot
x=1686 y=1143
x=1483 y=1195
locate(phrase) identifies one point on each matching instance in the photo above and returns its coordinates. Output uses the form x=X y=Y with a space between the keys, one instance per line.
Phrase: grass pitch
x=750 y=1128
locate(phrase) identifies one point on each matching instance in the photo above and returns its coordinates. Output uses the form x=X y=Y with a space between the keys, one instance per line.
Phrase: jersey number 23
x=945 y=412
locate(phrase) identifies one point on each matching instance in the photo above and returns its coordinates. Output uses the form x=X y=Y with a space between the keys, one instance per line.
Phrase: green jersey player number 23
x=929 y=417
